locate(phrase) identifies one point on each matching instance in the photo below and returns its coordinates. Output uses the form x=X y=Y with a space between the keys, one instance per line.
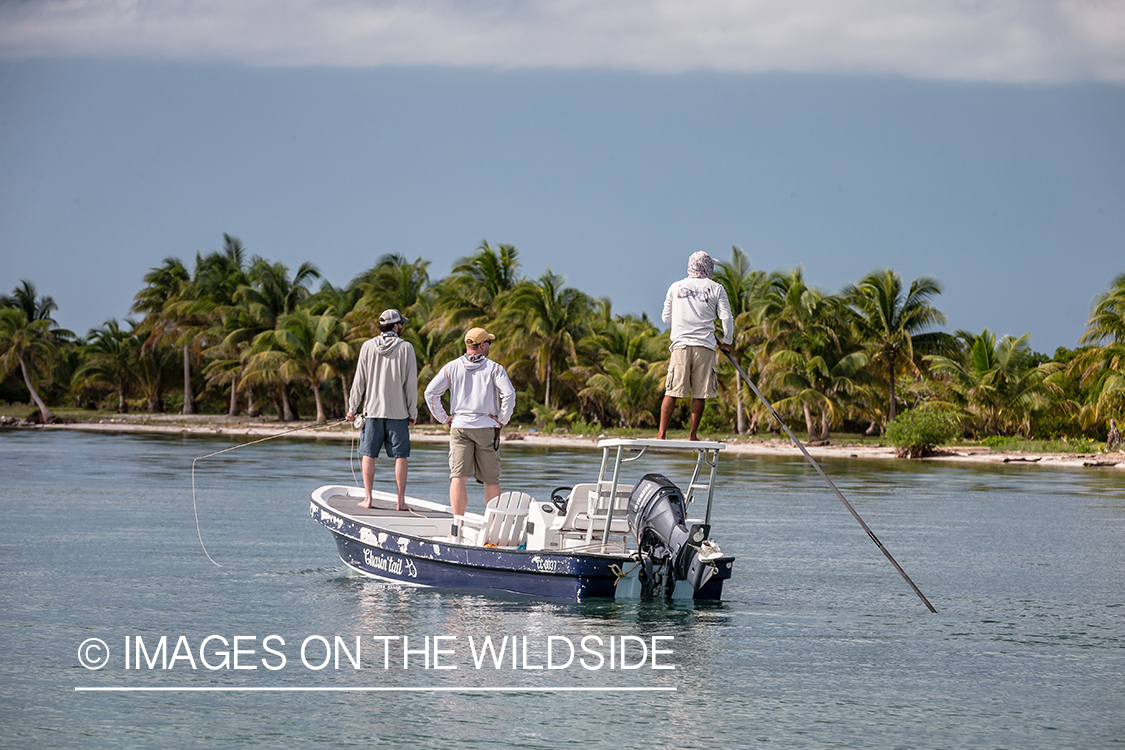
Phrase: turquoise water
x=818 y=643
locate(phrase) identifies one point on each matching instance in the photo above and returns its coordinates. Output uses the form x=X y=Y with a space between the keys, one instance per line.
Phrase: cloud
x=978 y=40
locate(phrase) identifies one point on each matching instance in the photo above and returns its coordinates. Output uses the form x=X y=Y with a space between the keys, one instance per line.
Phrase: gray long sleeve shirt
x=386 y=380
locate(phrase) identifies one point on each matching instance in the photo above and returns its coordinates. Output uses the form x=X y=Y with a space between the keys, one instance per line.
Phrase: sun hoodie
x=480 y=393
x=386 y=380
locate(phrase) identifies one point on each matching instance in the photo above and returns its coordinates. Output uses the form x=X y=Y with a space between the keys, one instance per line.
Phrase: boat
x=599 y=539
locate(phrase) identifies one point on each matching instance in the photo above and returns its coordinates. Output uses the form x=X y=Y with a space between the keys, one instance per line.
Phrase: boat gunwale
x=628 y=556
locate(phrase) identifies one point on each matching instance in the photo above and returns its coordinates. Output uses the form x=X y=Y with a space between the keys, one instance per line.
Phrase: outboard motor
x=657 y=518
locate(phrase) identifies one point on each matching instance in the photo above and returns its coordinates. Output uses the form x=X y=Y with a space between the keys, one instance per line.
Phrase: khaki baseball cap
x=477 y=336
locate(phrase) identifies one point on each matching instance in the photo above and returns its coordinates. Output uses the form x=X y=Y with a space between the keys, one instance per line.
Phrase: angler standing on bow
x=481 y=401
x=386 y=387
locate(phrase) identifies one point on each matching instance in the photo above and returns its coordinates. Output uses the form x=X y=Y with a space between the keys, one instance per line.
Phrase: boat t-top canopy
x=626 y=450
x=668 y=445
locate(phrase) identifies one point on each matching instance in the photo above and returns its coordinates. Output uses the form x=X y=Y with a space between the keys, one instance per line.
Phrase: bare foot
x=365 y=504
x=402 y=507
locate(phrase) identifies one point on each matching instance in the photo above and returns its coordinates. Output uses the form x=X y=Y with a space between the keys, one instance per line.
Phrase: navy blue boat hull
x=419 y=561
x=508 y=571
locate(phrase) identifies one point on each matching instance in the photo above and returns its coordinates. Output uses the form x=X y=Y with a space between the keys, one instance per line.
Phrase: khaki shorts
x=692 y=371
x=471 y=454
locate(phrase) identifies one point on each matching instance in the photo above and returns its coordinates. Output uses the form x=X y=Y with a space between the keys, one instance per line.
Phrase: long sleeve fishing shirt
x=692 y=306
x=386 y=380
x=480 y=393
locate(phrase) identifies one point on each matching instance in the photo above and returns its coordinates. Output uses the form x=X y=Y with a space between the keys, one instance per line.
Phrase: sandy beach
x=244 y=428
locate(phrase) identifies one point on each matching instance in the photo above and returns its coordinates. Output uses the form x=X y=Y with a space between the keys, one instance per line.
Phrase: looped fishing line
x=194 y=505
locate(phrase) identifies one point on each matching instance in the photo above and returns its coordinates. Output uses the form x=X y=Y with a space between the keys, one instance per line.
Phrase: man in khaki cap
x=481 y=401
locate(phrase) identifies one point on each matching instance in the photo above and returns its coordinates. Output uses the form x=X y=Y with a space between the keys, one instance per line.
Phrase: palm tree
x=626 y=341
x=891 y=324
x=338 y=301
x=162 y=285
x=30 y=339
x=269 y=293
x=266 y=294
x=545 y=320
x=29 y=345
x=627 y=336
x=745 y=288
x=433 y=344
x=156 y=373
x=303 y=347
x=997 y=382
x=817 y=372
x=473 y=293
x=393 y=282
x=224 y=367
x=1102 y=366
x=159 y=301
x=631 y=389
x=202 y=304
x=112 y=359
x=797 y=325
x=25 y=297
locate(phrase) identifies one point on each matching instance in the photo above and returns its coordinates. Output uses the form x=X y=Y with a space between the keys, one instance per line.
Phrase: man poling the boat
x=481 y=400
x=692 y=305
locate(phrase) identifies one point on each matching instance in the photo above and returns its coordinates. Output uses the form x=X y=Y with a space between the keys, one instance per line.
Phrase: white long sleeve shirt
x=692 y=306
x=480 y=393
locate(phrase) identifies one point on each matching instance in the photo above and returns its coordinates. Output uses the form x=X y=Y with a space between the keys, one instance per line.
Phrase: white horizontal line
x=373 y=689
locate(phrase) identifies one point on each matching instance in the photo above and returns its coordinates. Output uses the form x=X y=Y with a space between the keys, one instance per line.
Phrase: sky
x=982 y=144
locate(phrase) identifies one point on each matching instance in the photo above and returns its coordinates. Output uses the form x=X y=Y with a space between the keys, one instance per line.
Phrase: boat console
x=648 y=519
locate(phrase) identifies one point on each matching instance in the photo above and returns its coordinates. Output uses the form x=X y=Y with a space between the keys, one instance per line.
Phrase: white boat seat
x=592 y=521
x=616 y=526
x=579 y=502
x=505 y=520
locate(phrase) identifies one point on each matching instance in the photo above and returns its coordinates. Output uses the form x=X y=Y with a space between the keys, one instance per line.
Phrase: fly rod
x=816 y=466
x=195 y=507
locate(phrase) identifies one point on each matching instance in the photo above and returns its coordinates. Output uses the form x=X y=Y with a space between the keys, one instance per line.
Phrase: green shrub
x=916 y=433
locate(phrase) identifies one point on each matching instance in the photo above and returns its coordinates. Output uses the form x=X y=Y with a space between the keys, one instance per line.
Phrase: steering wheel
x=559 y=500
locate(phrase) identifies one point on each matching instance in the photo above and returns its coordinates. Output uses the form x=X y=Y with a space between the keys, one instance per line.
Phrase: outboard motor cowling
x=657 y=518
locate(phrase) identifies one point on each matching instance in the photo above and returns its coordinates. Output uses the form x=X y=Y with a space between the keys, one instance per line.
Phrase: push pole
x=839 y=494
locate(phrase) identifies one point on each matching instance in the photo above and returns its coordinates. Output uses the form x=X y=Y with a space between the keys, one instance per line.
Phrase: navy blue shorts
x=378 y=432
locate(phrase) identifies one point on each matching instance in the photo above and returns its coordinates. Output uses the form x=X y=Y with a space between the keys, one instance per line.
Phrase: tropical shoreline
x=250 y=428
x=835 y=363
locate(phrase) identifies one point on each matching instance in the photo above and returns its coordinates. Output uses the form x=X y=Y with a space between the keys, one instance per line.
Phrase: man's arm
x=507 y=394
x=437 y=386
x=666 y=314
x=358 y=393
x=726 y=317
x=411 y=386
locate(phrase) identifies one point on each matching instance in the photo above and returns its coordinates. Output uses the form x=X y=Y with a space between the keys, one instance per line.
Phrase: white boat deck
x=383 y=505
